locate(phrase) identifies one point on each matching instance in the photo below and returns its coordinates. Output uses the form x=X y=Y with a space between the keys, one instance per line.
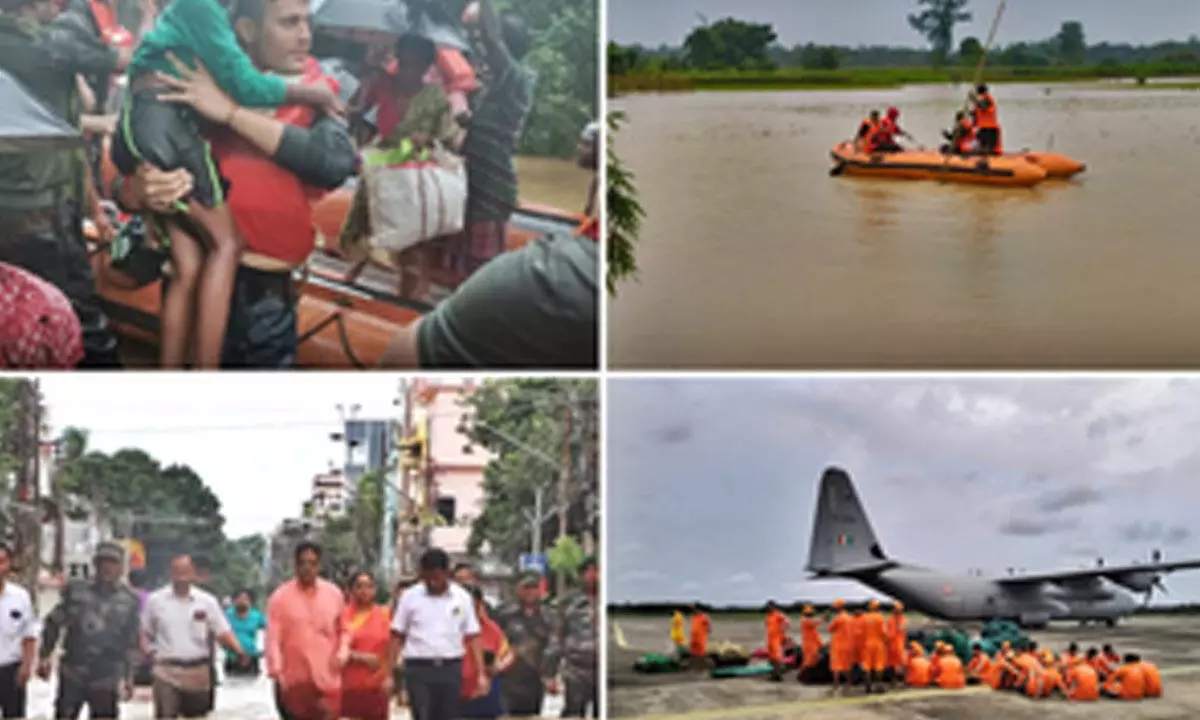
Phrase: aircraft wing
x=1114 y=572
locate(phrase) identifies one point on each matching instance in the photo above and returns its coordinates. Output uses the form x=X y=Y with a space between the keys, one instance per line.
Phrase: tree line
x=731 y=44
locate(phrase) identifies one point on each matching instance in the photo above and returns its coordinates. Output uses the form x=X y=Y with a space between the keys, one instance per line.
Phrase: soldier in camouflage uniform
x=528 y=629
x=574 y=641
x=100 y=622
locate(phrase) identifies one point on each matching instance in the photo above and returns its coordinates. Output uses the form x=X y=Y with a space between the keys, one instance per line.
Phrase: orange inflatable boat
x=1002 y=171
x=1058 y=167
x=345 y=321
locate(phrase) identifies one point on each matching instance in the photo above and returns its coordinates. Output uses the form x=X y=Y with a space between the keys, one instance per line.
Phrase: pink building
x=456 y=475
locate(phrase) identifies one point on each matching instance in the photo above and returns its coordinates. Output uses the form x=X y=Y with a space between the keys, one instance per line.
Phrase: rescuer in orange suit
x=1083 y=683
x=874 y=646
x=856 y=631
x=919 y=670
x=979 y=667
x=810 y=638
x=701 y=626
x=1153 y=684
x=866 y=133
x=841 y=646
x=896 y=633
x=1127 y=682
x=777 y=627
x=948 y=670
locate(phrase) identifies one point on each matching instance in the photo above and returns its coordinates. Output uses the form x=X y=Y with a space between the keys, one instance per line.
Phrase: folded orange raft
x=1003 y=170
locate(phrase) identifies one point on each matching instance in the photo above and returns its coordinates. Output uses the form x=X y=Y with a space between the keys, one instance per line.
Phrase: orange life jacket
x=966 y=136
x=457 y=73
x=987 y=118
x=271 y=206
x=111 y=33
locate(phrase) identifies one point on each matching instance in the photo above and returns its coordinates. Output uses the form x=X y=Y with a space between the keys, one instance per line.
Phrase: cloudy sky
x=712 y=483
x=256 y=439
x=883 y=22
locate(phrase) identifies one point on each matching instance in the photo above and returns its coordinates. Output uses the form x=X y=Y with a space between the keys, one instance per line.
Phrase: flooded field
x=752 y=256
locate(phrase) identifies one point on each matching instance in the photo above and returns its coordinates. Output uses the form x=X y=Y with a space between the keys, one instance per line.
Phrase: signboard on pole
x=529 y=562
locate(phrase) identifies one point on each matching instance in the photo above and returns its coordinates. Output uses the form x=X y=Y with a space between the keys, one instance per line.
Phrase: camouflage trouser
x=580 y=698
x=44 y=244
x=73 y=694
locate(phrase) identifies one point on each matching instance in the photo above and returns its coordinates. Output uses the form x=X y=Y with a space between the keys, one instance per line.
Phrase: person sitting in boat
x=961 y=137
x=885 y=135
x=987 y=121
x=866 y=131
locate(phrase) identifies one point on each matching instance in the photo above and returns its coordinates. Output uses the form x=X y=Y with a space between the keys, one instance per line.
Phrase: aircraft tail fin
x=843 y=542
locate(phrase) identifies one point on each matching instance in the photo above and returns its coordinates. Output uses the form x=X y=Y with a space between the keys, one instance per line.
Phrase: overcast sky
x=884 y=22
x=256 y=439
x=711 y=483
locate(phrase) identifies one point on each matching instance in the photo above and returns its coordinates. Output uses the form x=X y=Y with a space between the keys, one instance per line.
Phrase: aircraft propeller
x=1158 y=583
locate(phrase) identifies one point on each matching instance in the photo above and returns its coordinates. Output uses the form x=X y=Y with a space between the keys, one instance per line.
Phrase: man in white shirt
x=177 y=625
x=18 y=640
x=433 y=627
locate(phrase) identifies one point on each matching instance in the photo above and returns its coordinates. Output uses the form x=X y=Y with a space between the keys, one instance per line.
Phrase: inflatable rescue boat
x=1058 y=167
x=1002 y=170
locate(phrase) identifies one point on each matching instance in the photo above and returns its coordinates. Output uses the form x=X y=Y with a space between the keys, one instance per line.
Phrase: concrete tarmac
x=1172 y=643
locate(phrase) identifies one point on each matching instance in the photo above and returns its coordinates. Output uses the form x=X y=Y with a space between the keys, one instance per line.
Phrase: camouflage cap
x=108 y=550
x=589 y=562
x=529 y=579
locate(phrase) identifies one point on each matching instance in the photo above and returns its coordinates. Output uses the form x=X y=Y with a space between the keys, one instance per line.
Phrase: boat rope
x=336 y=318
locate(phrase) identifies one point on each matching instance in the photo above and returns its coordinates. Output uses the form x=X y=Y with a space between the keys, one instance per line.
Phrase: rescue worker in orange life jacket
x=987 y=121
x=866 y=132
x=962 y=137
x=889 y=128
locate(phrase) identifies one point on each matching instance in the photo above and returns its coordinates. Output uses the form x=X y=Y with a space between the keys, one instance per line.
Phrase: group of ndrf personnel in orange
x=875 y=643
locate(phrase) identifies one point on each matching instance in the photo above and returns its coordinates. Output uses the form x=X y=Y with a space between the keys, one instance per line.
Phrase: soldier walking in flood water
x=527 y=627
x=573 y=646
x=98 y=622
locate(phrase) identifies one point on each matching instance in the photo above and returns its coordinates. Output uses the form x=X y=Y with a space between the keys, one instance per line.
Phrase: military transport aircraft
x=844 y=546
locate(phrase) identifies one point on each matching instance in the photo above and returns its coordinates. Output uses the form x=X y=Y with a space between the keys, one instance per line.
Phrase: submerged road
x=237 y=699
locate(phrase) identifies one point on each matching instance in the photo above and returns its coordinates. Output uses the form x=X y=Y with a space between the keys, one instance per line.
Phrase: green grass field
x=876 y=78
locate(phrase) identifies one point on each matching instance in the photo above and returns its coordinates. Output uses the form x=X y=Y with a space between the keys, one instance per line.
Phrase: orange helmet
x=897 y=606
x=839 y=604
x=808 y=610
x=873 y=605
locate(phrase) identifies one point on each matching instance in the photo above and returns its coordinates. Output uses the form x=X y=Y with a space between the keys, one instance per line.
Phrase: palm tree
x=625 y=213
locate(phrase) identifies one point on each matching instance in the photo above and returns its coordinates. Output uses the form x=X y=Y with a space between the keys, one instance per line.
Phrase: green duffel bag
x=656 y=664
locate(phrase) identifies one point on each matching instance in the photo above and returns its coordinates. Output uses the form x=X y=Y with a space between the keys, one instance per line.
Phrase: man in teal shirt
x=247 y=622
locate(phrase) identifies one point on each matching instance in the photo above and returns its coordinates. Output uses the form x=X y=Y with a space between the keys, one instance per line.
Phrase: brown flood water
x=753 y=257
x=553 y=182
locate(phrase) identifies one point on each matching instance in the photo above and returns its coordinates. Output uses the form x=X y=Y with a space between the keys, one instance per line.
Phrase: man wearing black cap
x=528 y=632
x=99 y=624
x=433 y=626
x=574 y=644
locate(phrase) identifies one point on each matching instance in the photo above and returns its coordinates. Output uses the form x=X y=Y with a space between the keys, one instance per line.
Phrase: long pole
x=987 y=48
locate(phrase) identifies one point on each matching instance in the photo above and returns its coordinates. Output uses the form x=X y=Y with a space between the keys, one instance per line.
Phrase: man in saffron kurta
x=304 y=641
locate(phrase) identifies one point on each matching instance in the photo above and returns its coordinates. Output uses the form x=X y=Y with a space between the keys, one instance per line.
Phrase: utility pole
x=26 y=510
x=389 y=542
x=405 y=547
x=564 y=477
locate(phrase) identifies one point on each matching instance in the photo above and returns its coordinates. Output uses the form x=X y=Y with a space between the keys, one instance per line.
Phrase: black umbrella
x=26 y=124
x=363 y=20
x=382 y=20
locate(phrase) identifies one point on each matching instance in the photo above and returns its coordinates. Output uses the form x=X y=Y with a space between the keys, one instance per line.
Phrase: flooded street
x=752 y=256
x=237 y=699
x=553 y=182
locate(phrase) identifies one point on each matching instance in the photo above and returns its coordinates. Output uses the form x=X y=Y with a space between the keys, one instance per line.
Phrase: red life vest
x=271 y=206
x=111 y=33
x=966 y=136
x=885 y=133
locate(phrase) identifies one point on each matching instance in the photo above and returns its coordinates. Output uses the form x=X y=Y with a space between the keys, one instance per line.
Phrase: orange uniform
x=698 y=642
x=948 y=672
x=896 y=632
x=777 y=626
x=810 y=641
x=987 y=118
x=841 y=643
x=1127 y=682
x=1044 y=683
x=1153 y=684
x=920 y=671
x=874 y=644
x=1083 y=683
x=857 y=630
x=979 y=667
